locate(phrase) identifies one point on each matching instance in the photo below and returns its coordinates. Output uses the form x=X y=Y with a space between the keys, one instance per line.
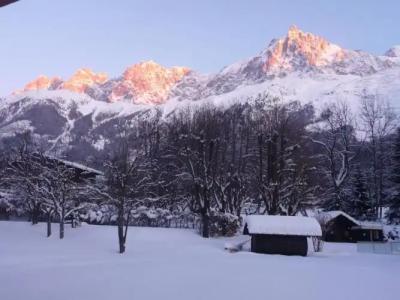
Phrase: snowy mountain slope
x=318 y=89
x=150 y=83
x=66 y=121
x=78 y=115
x=393 y=52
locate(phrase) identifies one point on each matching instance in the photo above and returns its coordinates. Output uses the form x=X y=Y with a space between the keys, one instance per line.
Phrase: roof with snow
x=330 y=215
x=80 y=166
x=369 y=226
x=282 y=225
x=75 y=165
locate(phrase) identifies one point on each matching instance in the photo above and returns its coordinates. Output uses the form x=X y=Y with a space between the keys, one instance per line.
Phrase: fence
x=379 y=248
x=188 y=222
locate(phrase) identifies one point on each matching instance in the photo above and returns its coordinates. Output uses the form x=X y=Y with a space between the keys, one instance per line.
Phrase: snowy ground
x=178 y=264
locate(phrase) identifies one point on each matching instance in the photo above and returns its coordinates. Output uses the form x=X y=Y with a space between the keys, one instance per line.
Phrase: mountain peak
x=151 y=68
x=42 y=82
x=84 y=78
x=393 y=52
x=147 y=83
x=293 y=31
x=300 y=50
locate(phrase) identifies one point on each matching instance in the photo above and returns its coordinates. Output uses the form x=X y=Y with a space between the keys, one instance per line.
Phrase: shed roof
x=80 y=166
x=283 y=225
x=369 y=226
x=330 y=215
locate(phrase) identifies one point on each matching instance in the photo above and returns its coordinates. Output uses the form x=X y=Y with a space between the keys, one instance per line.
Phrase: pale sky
x=55 y=38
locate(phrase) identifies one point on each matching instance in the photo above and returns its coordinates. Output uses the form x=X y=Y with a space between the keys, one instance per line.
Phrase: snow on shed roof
x=80 y=166
x=75 y=165
x=330 y=215
x=283 y=225
x=369 y=226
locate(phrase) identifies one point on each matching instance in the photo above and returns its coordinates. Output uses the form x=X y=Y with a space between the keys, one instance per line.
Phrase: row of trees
x=263 y=156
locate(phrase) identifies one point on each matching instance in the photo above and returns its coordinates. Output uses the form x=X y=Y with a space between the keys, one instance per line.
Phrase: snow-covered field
x=178 y=264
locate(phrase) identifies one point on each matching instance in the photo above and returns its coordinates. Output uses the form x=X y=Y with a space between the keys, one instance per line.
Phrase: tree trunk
x=35 y=214
x=48 y=224
x=72 y=221
x=206 y=225
x=62 y=227
x=120 y=222
x=121 y=238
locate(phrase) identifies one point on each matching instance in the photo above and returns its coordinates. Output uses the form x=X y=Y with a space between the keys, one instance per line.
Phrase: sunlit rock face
x=142 y=83
x=147 y=83
x=299 y=50
x=297 y=54
x=43 y=83
x=82 y=79
x=79 y=82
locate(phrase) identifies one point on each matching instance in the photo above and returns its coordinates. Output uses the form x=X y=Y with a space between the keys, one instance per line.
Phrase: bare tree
x=198 y=154
x=378 y=121
x=62 y=188
x=336 y=137
x=280 y=156
x=126 y=180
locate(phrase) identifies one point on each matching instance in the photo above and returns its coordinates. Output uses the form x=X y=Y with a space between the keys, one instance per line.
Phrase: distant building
x=82 y=172
x=286 y=235
x=78 y=173
x=341 y=227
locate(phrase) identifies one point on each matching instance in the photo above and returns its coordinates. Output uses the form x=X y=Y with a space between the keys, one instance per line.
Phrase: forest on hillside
x=207 y=166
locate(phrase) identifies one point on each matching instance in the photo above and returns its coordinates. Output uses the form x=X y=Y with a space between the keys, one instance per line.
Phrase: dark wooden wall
x=279 y=244
x=339 y=230
x=366 y=235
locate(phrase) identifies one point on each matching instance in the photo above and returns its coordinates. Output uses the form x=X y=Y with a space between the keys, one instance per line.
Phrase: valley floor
x=178 y=264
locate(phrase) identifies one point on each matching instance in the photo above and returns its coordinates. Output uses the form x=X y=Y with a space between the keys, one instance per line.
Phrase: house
x=341 y=227
x=286 y=235
x=82 y=172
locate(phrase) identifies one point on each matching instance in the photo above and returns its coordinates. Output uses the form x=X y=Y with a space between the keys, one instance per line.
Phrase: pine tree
x=393 y=213
x=360 y=204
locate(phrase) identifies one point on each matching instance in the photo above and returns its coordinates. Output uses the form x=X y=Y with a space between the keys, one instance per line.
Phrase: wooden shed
x=341 y=227
x=367 y=232
x=286 y=235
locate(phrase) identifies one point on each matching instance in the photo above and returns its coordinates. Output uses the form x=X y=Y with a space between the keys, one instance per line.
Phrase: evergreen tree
x=393 y=213
x=360 y=204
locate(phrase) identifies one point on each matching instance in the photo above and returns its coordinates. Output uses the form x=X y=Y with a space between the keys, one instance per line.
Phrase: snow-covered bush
x=393 y=234
x=223 y=224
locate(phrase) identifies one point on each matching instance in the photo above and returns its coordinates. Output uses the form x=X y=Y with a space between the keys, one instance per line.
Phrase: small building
x=341 y=227
x=286 y=235
x=368 y=232
x=82 y=172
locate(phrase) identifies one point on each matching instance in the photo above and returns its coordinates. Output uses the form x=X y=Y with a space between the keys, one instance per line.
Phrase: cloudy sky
x=57 y=37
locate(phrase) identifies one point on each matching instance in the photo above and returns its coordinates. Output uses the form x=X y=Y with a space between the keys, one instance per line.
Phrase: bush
x=223 y=224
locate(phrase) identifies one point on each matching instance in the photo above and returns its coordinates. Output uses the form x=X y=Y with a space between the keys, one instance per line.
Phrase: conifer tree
x=360 y=204
x=393 y=213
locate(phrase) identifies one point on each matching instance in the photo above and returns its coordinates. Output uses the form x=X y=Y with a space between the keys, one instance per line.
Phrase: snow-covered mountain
x=77 y=113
